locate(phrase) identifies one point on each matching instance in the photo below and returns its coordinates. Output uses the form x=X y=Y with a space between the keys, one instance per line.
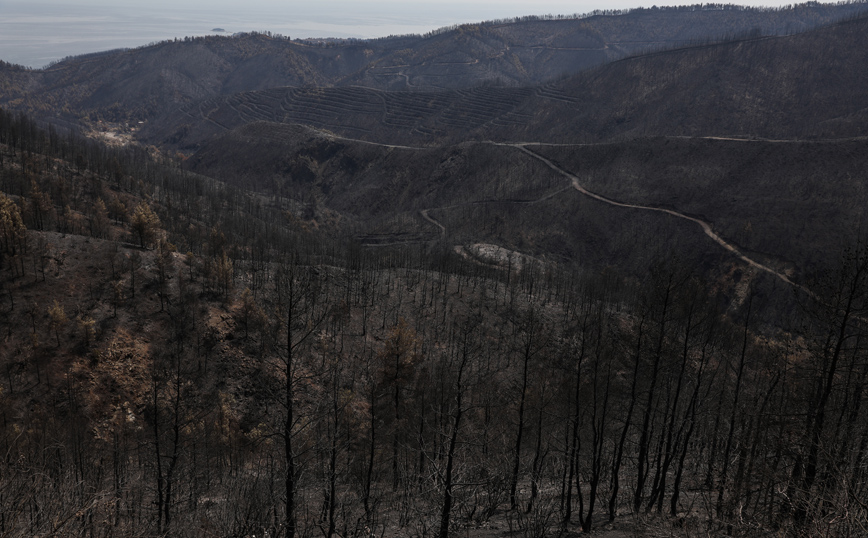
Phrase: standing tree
x=58 y=320
x=531 y=338
x=12 y=229
x=145 y=223
x=464 y=351
x=303 y=310
x=99 y=220
x=838 y=315
x=399 y=355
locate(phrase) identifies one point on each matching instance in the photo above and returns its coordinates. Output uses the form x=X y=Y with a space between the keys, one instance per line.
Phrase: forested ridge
x=184 y=359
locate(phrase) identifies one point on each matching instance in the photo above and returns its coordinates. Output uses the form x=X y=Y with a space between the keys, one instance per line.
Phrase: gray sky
x=409 y=7
x=526 y=6
x=36 y=32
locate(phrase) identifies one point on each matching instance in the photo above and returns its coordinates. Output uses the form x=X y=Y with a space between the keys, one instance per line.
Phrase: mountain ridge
x=140 y=84
x=747 y=88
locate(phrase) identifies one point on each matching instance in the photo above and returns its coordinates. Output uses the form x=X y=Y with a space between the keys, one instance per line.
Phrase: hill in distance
x=709 y=131
x=144 y=83
x=391 y=167
x=805 y=86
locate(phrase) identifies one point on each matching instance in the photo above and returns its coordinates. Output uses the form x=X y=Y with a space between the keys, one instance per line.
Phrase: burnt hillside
x=275 y=380
x=806 y=86
x=143 y=83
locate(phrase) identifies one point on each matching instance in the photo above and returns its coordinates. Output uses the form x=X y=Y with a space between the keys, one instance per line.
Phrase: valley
x=545 y=277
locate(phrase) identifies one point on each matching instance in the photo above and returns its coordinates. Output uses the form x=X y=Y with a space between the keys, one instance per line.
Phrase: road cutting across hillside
x=576 y=184
x=706 y=227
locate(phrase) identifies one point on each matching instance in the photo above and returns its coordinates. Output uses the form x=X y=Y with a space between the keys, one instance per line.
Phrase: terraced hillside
x=412 y=166
x=782 y=204
x=805 y=86
x=367 y=114
x=268 y=332
x=144 y=83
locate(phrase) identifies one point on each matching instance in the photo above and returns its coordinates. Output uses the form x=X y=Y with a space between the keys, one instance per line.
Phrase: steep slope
x=788 y=205
x=361 y=165
x=271 y=378
x=367 y=114
x=805 y=86
x=141 y=83
x=809 y=85
x=144 y=83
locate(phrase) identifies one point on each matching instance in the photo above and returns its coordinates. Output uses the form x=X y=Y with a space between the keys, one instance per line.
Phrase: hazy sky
x=409 y=7
x=524 y=5
x=36 y=32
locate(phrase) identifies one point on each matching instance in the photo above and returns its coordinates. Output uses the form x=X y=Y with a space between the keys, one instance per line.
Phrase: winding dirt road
x=706 y=227
x=427 y=217
x=332 y=136
x=577 y=185
x=435 y=222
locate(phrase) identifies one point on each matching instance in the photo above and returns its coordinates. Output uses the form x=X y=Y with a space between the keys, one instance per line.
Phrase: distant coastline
x=37 y=33
x=33 y=39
